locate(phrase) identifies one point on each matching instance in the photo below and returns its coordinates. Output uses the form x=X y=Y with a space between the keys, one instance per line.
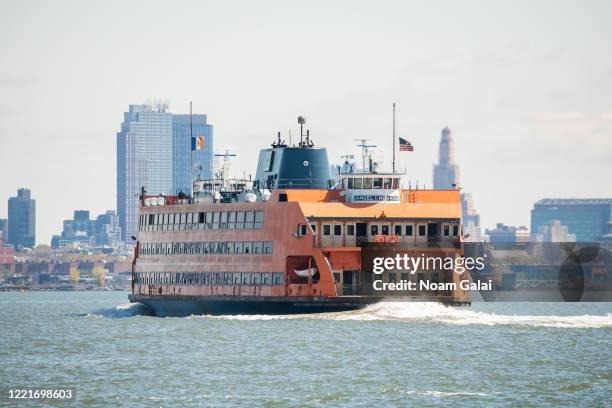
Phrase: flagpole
x=393 y=137
x=190 y=145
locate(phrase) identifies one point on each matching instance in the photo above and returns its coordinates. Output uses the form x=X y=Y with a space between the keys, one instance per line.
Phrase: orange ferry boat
x=290 y=241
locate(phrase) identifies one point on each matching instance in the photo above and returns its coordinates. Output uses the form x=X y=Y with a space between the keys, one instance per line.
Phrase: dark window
x=398 y=230
x=249 y=218
x=350 y=183
x=385 y=230
x=422 y=230
x=374 y=230
x=446 y=230
x=239 y=219
x=455 y=230
x=314 y=228
x=248 y=248
x=350 y=229
x=202 y=218
x=282 y=197
x=303 y=230
x=377 y=183
x=337 y=229
x=259 y=218
x=326 y=229
x=409 y=230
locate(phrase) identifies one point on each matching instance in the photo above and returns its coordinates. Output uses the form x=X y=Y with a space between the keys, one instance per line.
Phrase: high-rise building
x=154 y=152
x=446 y=172
x=553 y=232
x=108 y=231
x=22 y=219
x=587 y=218
x=4 y=228
x=188 y=164
x=506 y=234
x=446 y=176
x=104 y=230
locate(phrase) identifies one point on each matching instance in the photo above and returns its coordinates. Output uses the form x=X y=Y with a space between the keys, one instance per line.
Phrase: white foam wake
x=123 y=310
x=437 y=313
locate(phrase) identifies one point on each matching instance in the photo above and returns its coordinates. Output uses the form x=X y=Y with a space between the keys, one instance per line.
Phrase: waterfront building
x=7 y=258
x=446 y=176
x=506 y=234
x=4 y=228
x=553 y=232
x=22 y=219
x=188 y=164
x=586 y=218
x=104 y=230
x=147 y=157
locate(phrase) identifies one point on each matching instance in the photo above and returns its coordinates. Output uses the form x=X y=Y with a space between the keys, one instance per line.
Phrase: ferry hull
x=178 y=306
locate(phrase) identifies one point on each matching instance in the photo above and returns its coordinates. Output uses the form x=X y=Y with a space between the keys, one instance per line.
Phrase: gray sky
x=525 y=87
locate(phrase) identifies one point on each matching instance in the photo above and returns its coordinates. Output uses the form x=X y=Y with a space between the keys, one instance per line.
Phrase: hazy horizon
x=524 y=86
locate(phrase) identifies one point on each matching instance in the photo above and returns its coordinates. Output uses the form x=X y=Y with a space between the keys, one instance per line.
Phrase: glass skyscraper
x=22 y=219
x=153 y=150
x=586 y=218
x=187 y=165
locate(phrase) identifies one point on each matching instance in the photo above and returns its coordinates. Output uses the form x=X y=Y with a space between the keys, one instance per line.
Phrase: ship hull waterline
x=180 y=306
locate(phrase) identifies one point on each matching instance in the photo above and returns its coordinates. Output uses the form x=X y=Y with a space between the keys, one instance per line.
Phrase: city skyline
x=524 y=88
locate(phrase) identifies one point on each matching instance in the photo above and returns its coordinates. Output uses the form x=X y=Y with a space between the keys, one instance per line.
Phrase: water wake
x=123 y=310
x=430 y=312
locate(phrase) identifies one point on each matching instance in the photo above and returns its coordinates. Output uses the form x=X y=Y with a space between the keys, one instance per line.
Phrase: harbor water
x=391 y=354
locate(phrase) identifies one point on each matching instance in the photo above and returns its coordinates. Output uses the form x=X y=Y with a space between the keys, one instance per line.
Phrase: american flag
x=405 y=146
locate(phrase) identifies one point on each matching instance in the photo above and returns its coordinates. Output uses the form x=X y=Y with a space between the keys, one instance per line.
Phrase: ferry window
x=446 y=230
x=265 y=278
x=377 y=183
x=245 y=278
x=277 y=278
x=247 y=248
x=398 y=230
x=358 y=183
x=367 y=183
x=201 y=218
x=303 y=230
x=336 y=277
x=350 y=229
x=422 y=230
x=183 y=218
x=215 y=221
x=395 y=185
x=249 y=218
x=337 y=230
x=455 y=230
x=350 y=183
x=239 y=219
x=257 y=247
x=409 y=230
x=259 y=216
x=314 y=228
x=267 y=249
x=374 y=230
x=228 y=278
x=282 y=198
x=151 y=219
x=326 y=229
x=230 y=247
x=223 y=222
x=387 y=183
x=385 y=230
x=237 y=276
x=189 y=218
x=209 y=219
x=238 y=247
x=256 y=278
x=231 y=219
